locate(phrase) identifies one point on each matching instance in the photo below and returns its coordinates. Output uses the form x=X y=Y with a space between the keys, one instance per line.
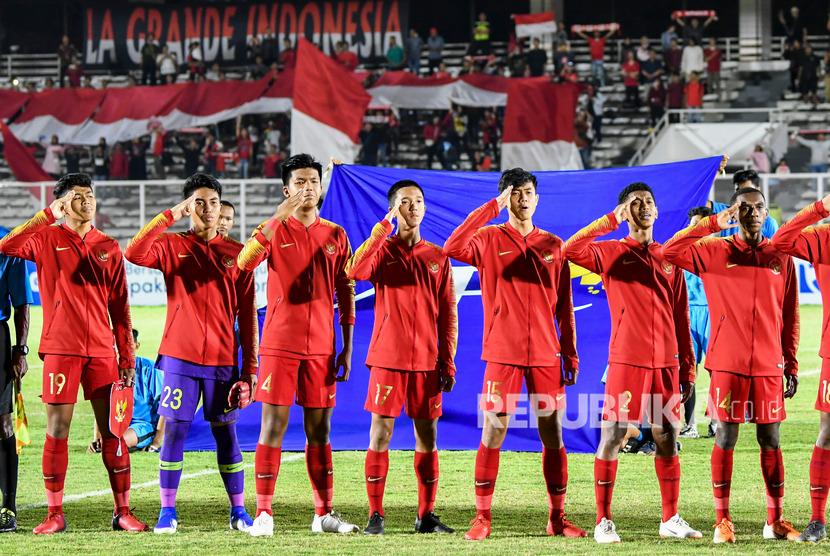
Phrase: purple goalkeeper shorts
x=180 y=395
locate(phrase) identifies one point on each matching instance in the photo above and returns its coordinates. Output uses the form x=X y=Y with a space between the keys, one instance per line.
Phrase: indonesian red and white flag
x=539 y=126
x=534 y=24
x=22 y=162
x=328 y=107
x=403 y=89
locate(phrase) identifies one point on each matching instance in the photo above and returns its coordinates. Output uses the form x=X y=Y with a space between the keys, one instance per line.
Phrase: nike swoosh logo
x=561 y=489
x=374 y=479
x=264 y=476
x=482 y=483
x=390 y=262
x=728 y=265
x=779 y=485
x=811 y=488
x=628 y=262
x=61 y=248
x=601 y=483
x=559 y=397
x=284 y=245
x=331 y=471
x=229 y=409
x=332 y=395
x=719 y=485
x=501 y=253
x=436 y=406
x=775 y=410
x=184 y=255
x=121 y=470
x=45 y=478
x=432 y=480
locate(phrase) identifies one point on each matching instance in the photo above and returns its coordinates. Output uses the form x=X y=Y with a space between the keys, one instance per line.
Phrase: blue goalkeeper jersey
x=147 y=391
x=694 y=285
x=768 y=230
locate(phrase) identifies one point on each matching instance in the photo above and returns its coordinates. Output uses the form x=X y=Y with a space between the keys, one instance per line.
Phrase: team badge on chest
x=228 y=261
x=775 y=267
x=330 y=248
x=103 y=256
x=433 y=267
x=668 y=268
x=547 y=256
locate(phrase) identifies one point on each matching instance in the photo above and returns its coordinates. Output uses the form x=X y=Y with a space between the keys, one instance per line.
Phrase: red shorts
x=63 y=374
x=502 y=388
x=390 y=390
x=823 y=400
x=280 y=379
x=630 y=390
x=735 y=398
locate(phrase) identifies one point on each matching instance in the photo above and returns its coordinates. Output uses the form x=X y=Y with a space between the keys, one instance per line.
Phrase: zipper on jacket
x=52 y=320
x=619 y=325
x=717 y=333
x=176 y=314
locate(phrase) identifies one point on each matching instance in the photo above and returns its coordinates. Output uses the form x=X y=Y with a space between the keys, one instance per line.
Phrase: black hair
x=631 y=188
x=198 y=181
x=744 y=191
x=517 y=178
x=225 y=203
x=298 y=162
x=699 y=211
x=742 y=176
x=135 y=336
x=69 y=181
x=393 y=191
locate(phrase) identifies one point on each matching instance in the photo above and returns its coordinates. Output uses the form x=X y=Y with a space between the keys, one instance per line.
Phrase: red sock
x=426 y=469
x=819 y=481
x=555 y=470
x=721 y=464
x=772 y=468
x=266 y=470
x=376 y=469
x=668 y=475
x=605 y=473
x=487 y=470
x=320 y=471
x=55 y=461
x=118 y=467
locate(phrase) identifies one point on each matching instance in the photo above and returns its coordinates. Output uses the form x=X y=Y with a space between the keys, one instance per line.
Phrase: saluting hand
x=394 y=212
x=504 y=199
x=287 y=207
x=60 y=206
x=621 y=213
x=729 y=217
x=826 y=203
x=184 y=208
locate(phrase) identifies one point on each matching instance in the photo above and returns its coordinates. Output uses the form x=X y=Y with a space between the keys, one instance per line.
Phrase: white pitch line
x=805 y=373
x=75 y=497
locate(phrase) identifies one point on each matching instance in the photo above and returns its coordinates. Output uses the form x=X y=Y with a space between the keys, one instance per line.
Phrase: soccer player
x=83 y=288
x=799 y=239
x=16 y=292
x=699 y=321
x=412 y=349
x=741 y=179
x=226 y=214
x=306 y=259
x=526 y=293
x=206 y=292
x=753 y=305
x=650 y=353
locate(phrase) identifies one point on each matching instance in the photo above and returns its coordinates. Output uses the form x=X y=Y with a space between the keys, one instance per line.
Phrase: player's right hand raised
x=184 y=208
x=826 y=203
x=394 y=212
x=727 y=218
x=504 y=199
x=287 y=207
x=60 y=206
x=621 y=213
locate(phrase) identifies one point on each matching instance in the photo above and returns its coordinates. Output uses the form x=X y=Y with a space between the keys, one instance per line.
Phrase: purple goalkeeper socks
x=170 y=460
x=229 y=458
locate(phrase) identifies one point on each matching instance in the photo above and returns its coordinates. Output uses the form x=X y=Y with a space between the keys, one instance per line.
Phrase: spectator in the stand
x=288 y=56
x=568 y=75
x=782 y=167
x=243 y=148
x=481 y=162
x=346 y=57
x=370 y=142
x=49 y=83
x=625 y=48
x=66 y=51
x=597 y=46
x=413 y=45
x=758 y=159
x=562 y=57
x=272 y=134
x=221 y=159
x=195 y=61
x=808 y=75
x=794 y=28
x=254 y=50
x=100 y=165
x=253 y=134
x=673 y=57
x=656 y=101
x=52 y=159
x=481 y=37
x=643 y=49
x=87 y=84
x=213 y=73
x=394 y=55
x=692 y=60
x=432 y=142
x=149 y=53
x=442 y=72
x=131 y=82
x=713 y=56
x=694 y=30
x=675 y=97
x=259 y=69
x=120 y=164
x=209 y=153
x=537 y=59
x=595 y=105
x=694 y=97
x=561 y=34
x=435 y=46
x=74 y=73
x=270 y=171
x=192 y=156
x=168 y=67
x=651 y=69
x=270 y=48
x=582 y=138
x=72 y=156
x=794 y=53
x=667 y=36
x=138 y=160
x=490 y=132
x=158 y=146
x=631 y=80
x=819 y=151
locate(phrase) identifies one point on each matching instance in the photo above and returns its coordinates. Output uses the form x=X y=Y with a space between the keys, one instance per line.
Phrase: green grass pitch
x=519 y=505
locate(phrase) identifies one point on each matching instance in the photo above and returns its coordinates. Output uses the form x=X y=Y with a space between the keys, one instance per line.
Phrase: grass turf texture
x=519 y=505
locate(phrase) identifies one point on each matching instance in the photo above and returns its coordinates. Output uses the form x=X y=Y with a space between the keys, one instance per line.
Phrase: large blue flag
x=568 y=201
